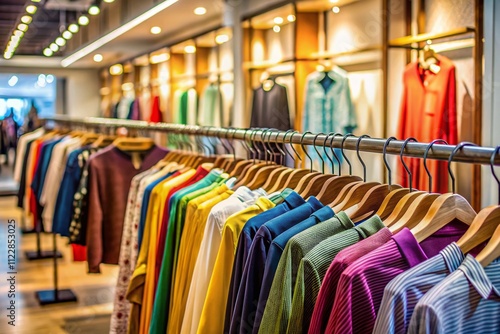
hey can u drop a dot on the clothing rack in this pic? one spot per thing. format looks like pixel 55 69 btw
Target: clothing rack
pixel 468 154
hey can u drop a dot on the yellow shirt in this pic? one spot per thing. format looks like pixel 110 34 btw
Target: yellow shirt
pixel 212 320
pixel 196 217
pixel 154 226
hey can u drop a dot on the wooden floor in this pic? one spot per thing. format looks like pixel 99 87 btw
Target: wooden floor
pixel 90 314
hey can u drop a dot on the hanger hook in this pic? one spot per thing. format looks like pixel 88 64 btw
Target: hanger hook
pixel 450 159
pixel 410 174
pixel 319 154
pixel 426 153
pixel 282 152
pixel 284 146
pixel 492 165
pixel 270 150
pixel 384 155
pixel 359 155
pixel 255 147
pixel 326 154
pixel 303 149
pixel 230 141
pixel 245 144
pixel 293 148
pixel 276 152
pixel 335 134
pixel 343 153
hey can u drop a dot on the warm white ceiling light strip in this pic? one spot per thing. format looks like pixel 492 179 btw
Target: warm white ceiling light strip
pixel 116 33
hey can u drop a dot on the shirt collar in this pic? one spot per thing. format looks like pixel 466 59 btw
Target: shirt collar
pixel 264 204
pixel 323 214
pixel 409 247
pixel 294 200
pixel 244 194
pixel 452 256
pixel 369 227
pixel 314 203
pixel 344 220
pixel 479 277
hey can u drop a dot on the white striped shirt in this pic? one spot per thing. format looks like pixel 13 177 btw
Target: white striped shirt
pixel 402 294
pixel 467 301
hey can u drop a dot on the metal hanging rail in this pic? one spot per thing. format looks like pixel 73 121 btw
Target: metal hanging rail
pixel 468 154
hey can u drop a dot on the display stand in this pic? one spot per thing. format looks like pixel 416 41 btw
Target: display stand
pixel 55 295
pixel 40 254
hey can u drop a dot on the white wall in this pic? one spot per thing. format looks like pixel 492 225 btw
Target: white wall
pixel 82 89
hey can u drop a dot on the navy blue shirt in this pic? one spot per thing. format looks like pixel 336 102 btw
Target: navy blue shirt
pixel 247 234
pixel 249 288
pixel 42 166
pixel 274 256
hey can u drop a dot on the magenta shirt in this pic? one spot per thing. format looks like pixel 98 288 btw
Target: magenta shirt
pixel 344 258
pixel 361 286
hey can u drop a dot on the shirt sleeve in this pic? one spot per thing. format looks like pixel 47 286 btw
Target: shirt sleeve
pixel 94 221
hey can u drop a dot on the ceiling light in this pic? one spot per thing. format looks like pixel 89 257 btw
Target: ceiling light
pixel 334 1
pixel 159 58
pixel 73 28
pixel 116 69
pixel 60 41
pixel 276 28
pixel 18 33
pixel 67 34
pixel 83 20
pixel 278 20
pixel 7 55
pixel 13 80
pixel 190 49
pixel 221 39
pixel 26 19
pixel 15 39
pixel 23 27
pixel 98 58
pixel 155 30
pixel 50 78
pixel 47 52
pixel 109 1
pixel 103 40
pixel 31 9
pixel 94 10
pixel 336 10
pixel 54 47
pixel 200 10
pixel 36 0
pixel 290 18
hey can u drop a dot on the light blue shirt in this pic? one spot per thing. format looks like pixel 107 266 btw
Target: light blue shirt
pixel 402 294
pixel 467 301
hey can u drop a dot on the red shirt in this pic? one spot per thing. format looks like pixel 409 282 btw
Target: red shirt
pixel 428 112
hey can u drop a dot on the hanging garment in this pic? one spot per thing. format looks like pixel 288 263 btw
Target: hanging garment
pixel 210 111
pixel 270 108
pixel 22 149
pixel 156 115
pixel 186 107
pixel 428 112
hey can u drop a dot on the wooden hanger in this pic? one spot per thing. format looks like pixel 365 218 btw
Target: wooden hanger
pixel 104 140
pixel 133 144
pixel 491 251
pixel 261 176
pixel 446 208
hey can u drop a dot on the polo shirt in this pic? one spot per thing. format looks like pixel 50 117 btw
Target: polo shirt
pixel 344 258
pixel 279 304
pixel 402 294
pixel 361 286
pixel 248 292
pixel 218 289
pixel 274 255
pixel 313 268
pixel 467 301
pixel 292 201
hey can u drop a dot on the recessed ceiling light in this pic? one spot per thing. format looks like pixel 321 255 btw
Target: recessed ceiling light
pixel 109 1
pixel 13 80
pixel 159 58
pixel 18 33
pixel 190 49
pixel 73 28
pixel 334 1
pixel 47 52
pixel 26 19
pixel 94 10
pixel 14 38
pixel 23 27
pixel 276 28
pixel 36 0
pixel 278 20
pixel 7 55
pixel 60 41
pixel 83 20
pixel 155 30
pixel 116 69
pixel 290 18
pixel 200 10
pixel 221 39
pixel 98 58
pixel 54 47
pixel 50 78
pixel 67 34
pixel 31 9
pixel 336 10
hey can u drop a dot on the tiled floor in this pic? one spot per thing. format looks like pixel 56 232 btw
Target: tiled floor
pixel 90 314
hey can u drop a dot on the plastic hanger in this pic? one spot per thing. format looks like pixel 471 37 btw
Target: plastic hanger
pixel 446 208
pixel 358 190
pixel 404 207
pixel 486 221
pixel 373 199
pixel 392 199
pixel 304 181
pixel 333 186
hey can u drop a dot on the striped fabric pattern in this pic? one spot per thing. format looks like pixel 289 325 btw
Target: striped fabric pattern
pixel 279 304
pixel 402 294
pixel 324 303
pixel 467 301
pixel 313 268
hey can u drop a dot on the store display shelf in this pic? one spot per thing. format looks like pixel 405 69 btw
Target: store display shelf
pixel 264 64
pixel 406 41
pixel 326 55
